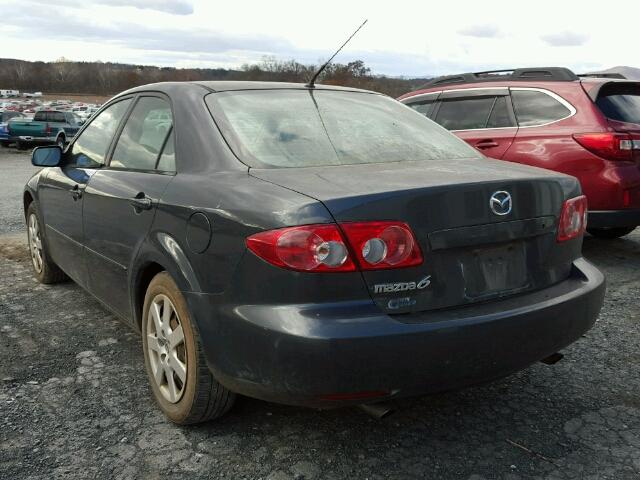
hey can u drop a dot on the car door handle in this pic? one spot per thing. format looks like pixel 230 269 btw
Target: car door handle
pixel 141 202
pixel 486 144
pixel 76 192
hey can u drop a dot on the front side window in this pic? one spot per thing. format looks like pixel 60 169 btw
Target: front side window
pixel 537 108
pixel 465 113
pixel 90 149
pixel 425 107
pixel 304 128
pixel 144 135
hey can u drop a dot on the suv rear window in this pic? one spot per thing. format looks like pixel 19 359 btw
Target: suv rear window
pixel 620 102
pixel 533 107
pixel 49 117
pixel 303 128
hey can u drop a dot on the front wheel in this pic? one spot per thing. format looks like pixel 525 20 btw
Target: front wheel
pixel 45 270
pixel 181 382
pixel 610 233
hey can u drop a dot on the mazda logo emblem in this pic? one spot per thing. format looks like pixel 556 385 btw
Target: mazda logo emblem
pixel 501 203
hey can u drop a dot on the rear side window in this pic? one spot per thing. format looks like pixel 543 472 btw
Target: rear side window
pixel 167 161
pixel 90 148
pixel 144 135
pixel 533 108
pixel 620 102
pixel 40 117
pixel 500 116
pixel 472 113
pixel 56 117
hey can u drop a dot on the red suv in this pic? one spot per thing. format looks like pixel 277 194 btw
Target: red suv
pixel 551 118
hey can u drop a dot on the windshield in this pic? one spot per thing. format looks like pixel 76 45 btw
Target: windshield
pixel 304 128
pixel 621 103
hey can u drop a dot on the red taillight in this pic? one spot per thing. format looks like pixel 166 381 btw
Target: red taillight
pixel 381 245
pixel 573 218
pixel 323 248
pixel 310 248
pixel 47 129
pixel 611 146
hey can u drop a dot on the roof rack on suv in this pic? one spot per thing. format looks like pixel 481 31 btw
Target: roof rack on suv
pixel 556 74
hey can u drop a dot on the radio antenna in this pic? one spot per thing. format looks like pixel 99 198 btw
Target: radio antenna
pixel 312 82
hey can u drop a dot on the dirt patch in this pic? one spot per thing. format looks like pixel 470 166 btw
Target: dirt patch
pixel 14 247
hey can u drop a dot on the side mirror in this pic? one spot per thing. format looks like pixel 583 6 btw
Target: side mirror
pixel 48 156
pixel 81 122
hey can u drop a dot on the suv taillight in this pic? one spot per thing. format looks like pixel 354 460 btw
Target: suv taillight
pixel 47 129
pixel 609 145
pixel 573 218
pixel 325 248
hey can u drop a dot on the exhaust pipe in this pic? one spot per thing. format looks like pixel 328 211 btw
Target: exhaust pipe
pixel 377 410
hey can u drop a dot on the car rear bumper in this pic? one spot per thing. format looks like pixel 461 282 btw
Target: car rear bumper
pixel 613 218
pixel 329 355
pixel 33 140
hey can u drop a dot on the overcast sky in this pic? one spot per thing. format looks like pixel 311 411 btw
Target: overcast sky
pixel 411 38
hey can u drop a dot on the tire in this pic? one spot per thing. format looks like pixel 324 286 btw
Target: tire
pixel 610 233
pixel 44 269
pixel 199 397
pixel 4 143
pixel 21 146
pixel 60 141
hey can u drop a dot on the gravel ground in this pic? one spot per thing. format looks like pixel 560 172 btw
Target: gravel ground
pixel 75 403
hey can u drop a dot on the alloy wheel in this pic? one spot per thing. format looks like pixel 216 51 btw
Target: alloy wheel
pixel 166 348
pixel 35 243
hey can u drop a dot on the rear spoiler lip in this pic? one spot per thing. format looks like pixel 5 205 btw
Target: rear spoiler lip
pixel 595 90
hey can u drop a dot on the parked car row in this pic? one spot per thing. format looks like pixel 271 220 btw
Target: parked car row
pixel 32 122
pixel 587 127
pixel 315 245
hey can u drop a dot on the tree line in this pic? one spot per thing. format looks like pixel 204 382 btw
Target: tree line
pixel 105 78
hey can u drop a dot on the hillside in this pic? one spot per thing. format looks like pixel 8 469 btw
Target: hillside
pixel 99 78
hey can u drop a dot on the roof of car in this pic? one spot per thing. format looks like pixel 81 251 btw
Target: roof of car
pixel 227 85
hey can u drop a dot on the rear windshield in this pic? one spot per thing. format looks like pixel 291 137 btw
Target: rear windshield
pixel 620 102
pixel 304 128
pixel 49 117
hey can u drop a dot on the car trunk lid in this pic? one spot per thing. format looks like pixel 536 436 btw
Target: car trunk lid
pixel 471 253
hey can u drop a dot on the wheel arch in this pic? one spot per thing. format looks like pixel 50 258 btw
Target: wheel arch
pixel 144 276
pixel 27 199
pixel 162 254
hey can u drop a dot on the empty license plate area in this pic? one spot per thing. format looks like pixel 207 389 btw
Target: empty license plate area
pixel 492 271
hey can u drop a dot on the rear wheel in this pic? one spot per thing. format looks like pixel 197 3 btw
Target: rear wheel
pixel 46 271
pixel 181 382
pixel 610 233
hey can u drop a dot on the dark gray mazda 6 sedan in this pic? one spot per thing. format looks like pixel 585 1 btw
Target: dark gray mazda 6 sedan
pixel 312 246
